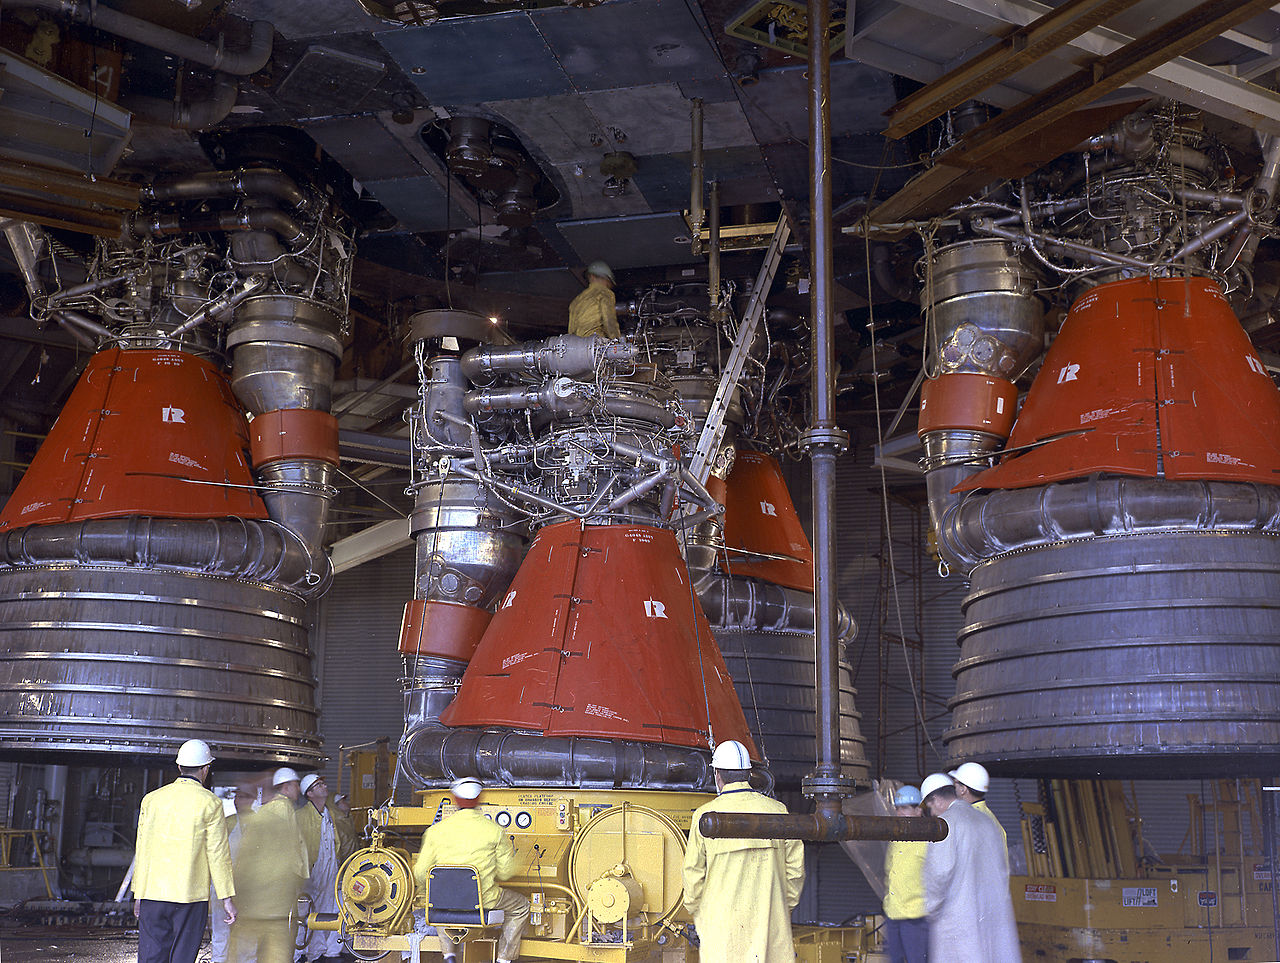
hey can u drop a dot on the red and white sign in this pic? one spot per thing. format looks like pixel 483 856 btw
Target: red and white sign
pixel 1040 893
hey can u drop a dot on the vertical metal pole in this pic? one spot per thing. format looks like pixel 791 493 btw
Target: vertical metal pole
pixel 824 440
pixel 696 209
pixel 713 258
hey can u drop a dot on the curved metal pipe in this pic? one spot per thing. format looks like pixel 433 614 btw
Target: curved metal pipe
pixel 254 219
pixel 565 354
pixel 986 524
pixel 221 305
pixel 437 755
pixel 1259 197
pixel 233 547
pixel 759 606
pixel 240 62
pixel 186 114
pixel 245 182
pixel 561 397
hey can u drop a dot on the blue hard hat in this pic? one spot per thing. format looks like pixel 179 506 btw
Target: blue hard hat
pixel 907 796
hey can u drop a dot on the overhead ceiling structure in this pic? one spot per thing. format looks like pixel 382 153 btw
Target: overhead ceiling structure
pixel 378 89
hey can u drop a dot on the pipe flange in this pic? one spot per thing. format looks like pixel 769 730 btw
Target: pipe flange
pixel 825 784
pixel 825 436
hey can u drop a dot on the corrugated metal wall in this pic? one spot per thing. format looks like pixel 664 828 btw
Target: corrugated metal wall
pixel 356 637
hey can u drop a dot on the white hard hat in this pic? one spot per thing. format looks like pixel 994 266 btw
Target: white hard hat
pixel 282 775
pixel 972 775
pixel 309 780
pixel 933 782
pixel 193 753
pixel 466 788
pixel 600 270
pixel 730 754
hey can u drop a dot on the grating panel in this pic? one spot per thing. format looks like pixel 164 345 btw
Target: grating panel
pixel 296 21
pixel 473 60
pixel 326 81
pixel 601 48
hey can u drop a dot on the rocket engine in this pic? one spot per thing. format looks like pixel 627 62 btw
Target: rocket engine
pixel 158 555
pixel 1122 543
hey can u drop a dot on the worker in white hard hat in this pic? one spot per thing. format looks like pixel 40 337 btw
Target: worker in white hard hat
pixel 972 782
pixel 271 869
pixel 467 837
pixel 330 837
pixel 741 891
pixel 966 883
pixel 906 927
pixel 181 851
pixel 595 310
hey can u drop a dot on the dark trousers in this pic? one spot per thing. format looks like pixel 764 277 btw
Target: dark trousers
pixel 171 932
pixel 907 941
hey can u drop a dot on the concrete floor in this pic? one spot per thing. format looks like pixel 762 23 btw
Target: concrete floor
pixel 49 945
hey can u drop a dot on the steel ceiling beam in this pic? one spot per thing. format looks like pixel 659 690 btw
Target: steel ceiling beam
pixel 954 174
pixel 1009 55
pixel 1231 97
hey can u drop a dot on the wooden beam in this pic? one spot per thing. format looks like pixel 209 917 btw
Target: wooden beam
pixel 963 168
pixel 1013 52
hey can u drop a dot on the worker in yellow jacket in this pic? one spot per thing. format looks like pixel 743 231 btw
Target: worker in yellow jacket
pixel 270 868
pixel 182 850
pixel 330 835
pixel 906 927
pixel 741 891
pixel 594 311
pixel 467 837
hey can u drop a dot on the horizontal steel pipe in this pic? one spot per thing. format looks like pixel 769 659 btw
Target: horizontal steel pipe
pixel 986 524
pixel 820 827
pixel 436 756
pixel 245 182
pixel 259 551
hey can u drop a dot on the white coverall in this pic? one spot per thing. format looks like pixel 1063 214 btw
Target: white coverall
pixel 320 887
pixel 219 928
pixel 966 884
pixel 741 891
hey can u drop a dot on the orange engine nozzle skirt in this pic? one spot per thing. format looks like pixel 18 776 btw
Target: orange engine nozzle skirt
pixel 600 635
pixel 1149 377
pixel 144 432
pixel 762 531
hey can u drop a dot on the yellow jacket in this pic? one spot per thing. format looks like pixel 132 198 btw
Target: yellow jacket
pixel 594 311
pixel 182 845
pixel 741 891
pixel 981 806
pixel 904 880
pixel 271 864
pixel 344 832
pixel 467 837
